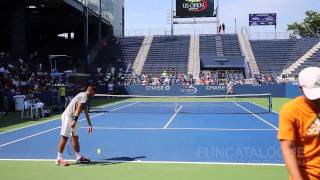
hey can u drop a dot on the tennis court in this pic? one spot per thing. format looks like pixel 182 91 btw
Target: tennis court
pixel 196 130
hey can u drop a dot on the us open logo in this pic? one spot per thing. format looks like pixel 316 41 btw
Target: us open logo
pixel 195 5
pixel 189 90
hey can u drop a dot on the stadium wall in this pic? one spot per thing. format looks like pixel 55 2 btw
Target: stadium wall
pixel 276 90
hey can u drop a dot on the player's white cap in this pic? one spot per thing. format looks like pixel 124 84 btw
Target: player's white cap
pixel 309 80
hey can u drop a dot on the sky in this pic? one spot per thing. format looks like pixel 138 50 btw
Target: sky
pixel 142 15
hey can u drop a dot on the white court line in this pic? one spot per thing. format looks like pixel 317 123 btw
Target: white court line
pixel 110 104
pixel 123 106
pixel 262 107
pixel 37 134
pixel 167 129
pixel 260 118
pixel 42 132
pixel 160 162
pixel 51 120
pixel 27 137
pixel 171 119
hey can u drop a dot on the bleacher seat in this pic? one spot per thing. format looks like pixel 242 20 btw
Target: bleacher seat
pixel 311 62
pixel 130 47
pixel 272 56
pixel 167 52
pixel 230 42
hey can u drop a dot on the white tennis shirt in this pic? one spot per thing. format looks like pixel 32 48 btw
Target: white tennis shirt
pixel 80 98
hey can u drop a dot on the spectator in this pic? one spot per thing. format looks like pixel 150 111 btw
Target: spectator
pixel 113 69
pixel 110 87
pixel 40 66
pixel 1 98
pixel 99 70
pixel 62 94
pixel 219 29
pixel 2 70
pixel 223 28
pixel 173 72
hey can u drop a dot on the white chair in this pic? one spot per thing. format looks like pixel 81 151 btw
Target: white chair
pixel 38 107
pixel 28 109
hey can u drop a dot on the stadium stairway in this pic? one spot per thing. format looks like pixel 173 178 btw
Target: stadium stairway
pixel 219 45
pixel 247 51
pixel 194 56
pixel 142 55
pixel 311 55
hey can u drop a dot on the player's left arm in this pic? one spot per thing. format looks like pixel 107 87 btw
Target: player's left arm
pixel 86 112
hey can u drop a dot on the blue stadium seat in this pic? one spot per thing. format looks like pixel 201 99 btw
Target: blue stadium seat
pixel 167 52
pixel 311 62
pixel 272 56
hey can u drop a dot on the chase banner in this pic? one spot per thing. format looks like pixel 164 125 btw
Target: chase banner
pixel 277 90
pixel 263 19
pixel 194 8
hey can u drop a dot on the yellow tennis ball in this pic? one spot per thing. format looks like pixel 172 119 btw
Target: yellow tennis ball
pixel 98 151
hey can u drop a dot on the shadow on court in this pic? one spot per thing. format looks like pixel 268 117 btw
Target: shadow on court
pixel 112 161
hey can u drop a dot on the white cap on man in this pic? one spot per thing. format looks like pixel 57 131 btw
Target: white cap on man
pixel 309 81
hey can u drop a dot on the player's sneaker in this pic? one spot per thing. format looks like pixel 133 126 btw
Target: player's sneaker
pixel 61 162
pixel 83 160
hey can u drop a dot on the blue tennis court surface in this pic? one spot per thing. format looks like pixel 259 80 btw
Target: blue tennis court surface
pixel 192 133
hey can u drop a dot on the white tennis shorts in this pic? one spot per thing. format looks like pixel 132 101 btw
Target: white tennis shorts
pixel 66 126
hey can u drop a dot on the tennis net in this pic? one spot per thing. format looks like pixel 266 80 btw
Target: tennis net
pixel 215 104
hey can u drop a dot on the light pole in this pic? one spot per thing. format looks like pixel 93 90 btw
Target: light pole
pixel 172 14
pixel 86 36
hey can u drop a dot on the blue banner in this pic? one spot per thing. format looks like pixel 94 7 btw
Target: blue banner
pixel 263 19
pixel 276 90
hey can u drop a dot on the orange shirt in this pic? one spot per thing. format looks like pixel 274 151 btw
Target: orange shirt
pixel 299 122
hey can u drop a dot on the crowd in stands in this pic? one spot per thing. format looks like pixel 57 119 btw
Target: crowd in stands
pixel 119 77
pixel 24 76
pixel 164 79
pixel 32 75
pixel 20 76
pixel 266 78
pixel 212 78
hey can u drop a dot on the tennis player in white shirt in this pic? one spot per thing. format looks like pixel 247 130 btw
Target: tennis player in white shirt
pixel 70 125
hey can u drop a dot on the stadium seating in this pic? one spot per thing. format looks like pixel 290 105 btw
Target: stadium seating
pixel 122 48
pixel 130 47
pixel 313 61
pixel 167 52
pixel 207 45
pixel 230 44
pixel 272 56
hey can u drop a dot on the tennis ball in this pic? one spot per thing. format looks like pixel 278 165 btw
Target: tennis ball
pixel 98 151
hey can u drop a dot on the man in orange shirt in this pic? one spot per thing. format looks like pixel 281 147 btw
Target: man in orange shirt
pixel 299 129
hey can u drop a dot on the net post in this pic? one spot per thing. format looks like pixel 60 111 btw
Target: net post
pixel 176 105
pixel 270 102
